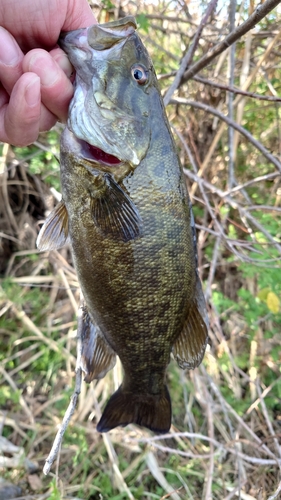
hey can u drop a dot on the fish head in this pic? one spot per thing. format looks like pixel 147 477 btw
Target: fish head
pixel 111 106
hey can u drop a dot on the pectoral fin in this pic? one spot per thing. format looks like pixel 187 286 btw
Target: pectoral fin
pixel 190 346
pixel 97 357
pixel 115 214
pixel 54 232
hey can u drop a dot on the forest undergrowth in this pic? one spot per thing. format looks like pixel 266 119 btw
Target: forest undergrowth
pixel 225 440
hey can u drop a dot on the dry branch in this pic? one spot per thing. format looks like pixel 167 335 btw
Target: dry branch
pixel 73 402
pixel 233 124
pixel 236 90
pixel 261 11
pixel 187 58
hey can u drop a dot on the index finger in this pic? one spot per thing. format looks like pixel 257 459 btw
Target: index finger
pixel 11 58
pixel 79 16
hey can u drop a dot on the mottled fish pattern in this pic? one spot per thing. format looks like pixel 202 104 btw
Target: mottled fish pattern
pixel 126 212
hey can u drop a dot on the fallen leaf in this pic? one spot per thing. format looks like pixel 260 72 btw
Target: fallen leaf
pixel 35 482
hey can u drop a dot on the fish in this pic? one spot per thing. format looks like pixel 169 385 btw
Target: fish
pixel 126 213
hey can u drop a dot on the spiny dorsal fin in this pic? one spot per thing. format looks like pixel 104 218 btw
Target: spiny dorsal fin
pixel 115 214
pixel 190 346
pixel 54 232
pixel 97 357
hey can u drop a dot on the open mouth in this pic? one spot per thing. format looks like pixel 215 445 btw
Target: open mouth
pixel 97 155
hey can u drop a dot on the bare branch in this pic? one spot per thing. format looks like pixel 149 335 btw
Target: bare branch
pixel 236 206
pixel 187 58
pixel 169 18
pixel 233 451
pixel 231 178
pixel 235 90
pixel 233 124
pixel 73 402
pixel 238 98
pixel 260 12
pixel 267 419
pixel 276 493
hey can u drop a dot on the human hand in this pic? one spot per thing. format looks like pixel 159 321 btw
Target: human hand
pixel 35 88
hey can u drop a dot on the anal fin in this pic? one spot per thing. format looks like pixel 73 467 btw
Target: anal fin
pixel 190 346
pixel 97 357
pixel 115 214
pixel 54 232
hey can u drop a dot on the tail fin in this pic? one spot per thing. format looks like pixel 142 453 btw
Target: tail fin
pixel 147 410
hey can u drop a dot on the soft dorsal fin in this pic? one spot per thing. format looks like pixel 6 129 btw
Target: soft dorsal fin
pixel 97 357
pixel 190 346
pixel 54 232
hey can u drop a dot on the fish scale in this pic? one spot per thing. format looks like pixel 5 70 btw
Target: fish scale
pixel 127 215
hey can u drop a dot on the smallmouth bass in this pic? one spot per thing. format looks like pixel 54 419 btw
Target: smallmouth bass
pixel 126 212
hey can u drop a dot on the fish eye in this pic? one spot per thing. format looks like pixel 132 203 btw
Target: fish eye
pixel 139 73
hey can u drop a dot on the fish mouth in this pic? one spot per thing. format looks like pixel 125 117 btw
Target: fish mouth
pixel 97 120
pixel 87 152
pixel 97 155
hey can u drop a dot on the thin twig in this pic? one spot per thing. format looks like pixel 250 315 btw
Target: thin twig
pixel 231 123
pixel 243 78
pixel 246 85
pixel 187 58
pixel 68 290
pixel 233 451
pixel 21 398
pixel 210 473
pixel 205 197
pixel 268 421
pixel 260 178
pixel 276 493
pixel 28 323
pixel 232 11
pixel 260 12
pixel 243 424
pixel 235 90
pixel 74 398
pixel 169 18
pixel 236 206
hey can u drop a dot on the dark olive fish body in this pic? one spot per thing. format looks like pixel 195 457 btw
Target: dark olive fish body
pixel 127 213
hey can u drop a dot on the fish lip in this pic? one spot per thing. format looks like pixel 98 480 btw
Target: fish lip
pixel 73 39
pixel 99 37
pixel 105 36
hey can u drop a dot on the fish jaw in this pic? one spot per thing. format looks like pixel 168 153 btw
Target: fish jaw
pixel 109 112
pixel 97 36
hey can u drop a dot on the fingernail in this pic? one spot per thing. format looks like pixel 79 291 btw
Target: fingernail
pixel 64 63
pixel 9 51
pixel 32 92
pixel 47 69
